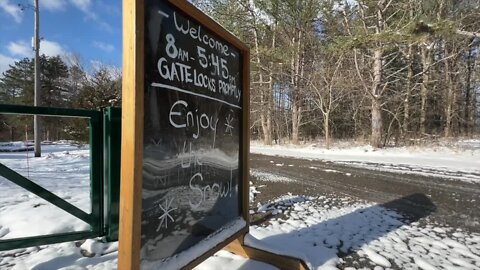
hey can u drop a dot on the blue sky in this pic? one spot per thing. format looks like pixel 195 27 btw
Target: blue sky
pixel 88 29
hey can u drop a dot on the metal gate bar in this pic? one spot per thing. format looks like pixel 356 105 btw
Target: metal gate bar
pixel 43 193
pixel 95 219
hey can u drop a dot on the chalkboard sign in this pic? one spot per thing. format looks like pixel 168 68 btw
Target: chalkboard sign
pixel 194 135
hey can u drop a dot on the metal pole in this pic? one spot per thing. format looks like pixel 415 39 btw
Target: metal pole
pixel 37 125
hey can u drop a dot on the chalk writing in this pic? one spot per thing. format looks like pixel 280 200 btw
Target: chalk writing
pixel 190 157
pixel 167 209
pixel 181 117
pixel 196 33
pixel 208 192
pixel 169 87
pixel 192 130
pixel 228 124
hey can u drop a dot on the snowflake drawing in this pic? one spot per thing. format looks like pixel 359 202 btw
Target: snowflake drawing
pixel 228 124
pixel 167 209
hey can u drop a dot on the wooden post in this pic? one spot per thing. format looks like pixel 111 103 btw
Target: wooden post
pixel 132 135
pixel 246 138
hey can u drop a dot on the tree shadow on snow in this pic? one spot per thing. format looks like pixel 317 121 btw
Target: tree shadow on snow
pixel 318 242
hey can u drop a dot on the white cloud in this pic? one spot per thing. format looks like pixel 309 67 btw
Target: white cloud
pixel 103 46
pixel 101 23
pixel 52 5
pixel 83 5
pixel 5 61
pixel 47 47
pixel 112 9
pixel 51 48
pixel 96 65
pixel 113 71
pixel 86 7
pixel 12 9
pixel 20 48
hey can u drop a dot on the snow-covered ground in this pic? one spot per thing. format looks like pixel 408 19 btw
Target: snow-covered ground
pixel 327 232
pixel 64 170
pixel 368 236
pixel 458 161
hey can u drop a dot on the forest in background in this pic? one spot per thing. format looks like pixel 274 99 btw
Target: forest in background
pixel 64 85
pixel 387 71
pixel 393 72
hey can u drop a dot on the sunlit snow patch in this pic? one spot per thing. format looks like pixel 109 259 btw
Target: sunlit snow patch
pixel 269 177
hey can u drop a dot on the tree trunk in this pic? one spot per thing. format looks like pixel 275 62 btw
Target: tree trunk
pixel 326 127
pixel 297 62
pixel 376 91
pixel 377 123
pixel 450 99
pixel 266 130
pixel 410 83
pixel 376 137
pixel 269 95
pixel 12 133
pixel 263 120
pixel 296 118
pixel 469 113
pixel 474 111
pixel 426 62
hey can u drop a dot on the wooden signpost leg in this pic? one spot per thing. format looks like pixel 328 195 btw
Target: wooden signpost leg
pixel 132 139
pixel 280 261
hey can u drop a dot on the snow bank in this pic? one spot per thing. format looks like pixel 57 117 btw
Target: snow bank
pixel 461 163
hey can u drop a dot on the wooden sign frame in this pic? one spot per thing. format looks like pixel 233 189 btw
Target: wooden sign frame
pixel 133 124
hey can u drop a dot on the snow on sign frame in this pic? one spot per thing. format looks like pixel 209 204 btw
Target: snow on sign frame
pixel 184 187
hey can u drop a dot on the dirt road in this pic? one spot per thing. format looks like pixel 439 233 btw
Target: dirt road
pixel 449 201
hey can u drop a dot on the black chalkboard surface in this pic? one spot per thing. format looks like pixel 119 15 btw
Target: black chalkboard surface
pixel 192 133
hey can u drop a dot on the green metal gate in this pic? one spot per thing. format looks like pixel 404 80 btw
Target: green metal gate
pixel 112 119
pixel 104 142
